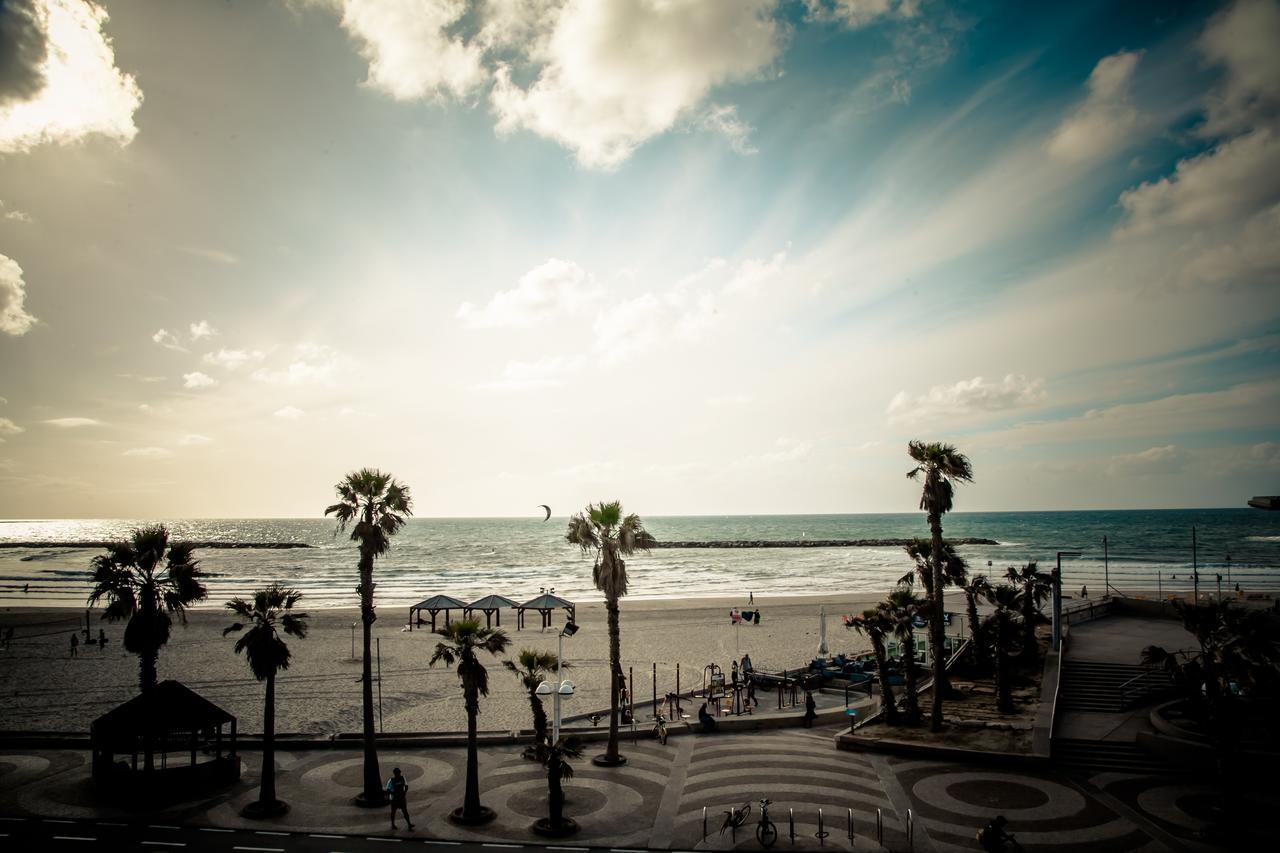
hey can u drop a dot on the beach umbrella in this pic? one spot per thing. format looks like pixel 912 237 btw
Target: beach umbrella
pixel 822 629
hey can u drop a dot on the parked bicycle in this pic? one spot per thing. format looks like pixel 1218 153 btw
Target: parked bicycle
pixel 734 818
pixel 766 832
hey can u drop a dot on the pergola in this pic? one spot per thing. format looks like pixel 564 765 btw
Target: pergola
pixel 432 606
pixel 169 717
pixel 544 604
pixel 490 606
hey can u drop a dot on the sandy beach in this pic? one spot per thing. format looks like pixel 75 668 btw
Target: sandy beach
pixel 48 690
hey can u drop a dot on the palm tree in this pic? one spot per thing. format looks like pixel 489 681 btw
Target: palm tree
pixel 974 588
pixel 941 466
pixel 875 624
pixel 463 638
pixel 603 529
pixel 902 606
pixel 1036 587
pixel 554 758
pixel 267 654
pixel 375 506
pixel 1005 642
pixel 531 668
pixel 138 588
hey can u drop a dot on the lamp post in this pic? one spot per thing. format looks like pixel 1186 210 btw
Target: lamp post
pixel 1057 598
pixel 558 688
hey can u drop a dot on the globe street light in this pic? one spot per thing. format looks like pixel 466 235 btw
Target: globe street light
pixel 558 688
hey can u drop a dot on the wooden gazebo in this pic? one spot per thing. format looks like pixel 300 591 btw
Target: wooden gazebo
pixel 544 604
pixel 491 606
pixel 168 718
pixel 432 606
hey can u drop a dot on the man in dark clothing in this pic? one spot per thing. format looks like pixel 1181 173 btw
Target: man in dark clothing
pixel 398 788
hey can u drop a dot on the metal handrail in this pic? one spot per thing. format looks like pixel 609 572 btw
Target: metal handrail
pixel 1124 688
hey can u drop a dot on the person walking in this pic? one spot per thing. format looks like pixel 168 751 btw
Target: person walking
pixel 75 644
pixel 398 788
pixel 810 709
pixel 751 598
pixel 1084 592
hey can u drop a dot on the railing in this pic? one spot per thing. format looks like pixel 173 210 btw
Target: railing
pixel 1133 685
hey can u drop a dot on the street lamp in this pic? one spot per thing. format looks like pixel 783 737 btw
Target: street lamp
pixel 1057 598
pixel 558 688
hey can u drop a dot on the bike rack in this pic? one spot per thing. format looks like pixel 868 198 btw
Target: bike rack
pixel 850 824
pixel 791 824
pixel 879 826
pixel 911 825
pixel 704 823
pixel 821 834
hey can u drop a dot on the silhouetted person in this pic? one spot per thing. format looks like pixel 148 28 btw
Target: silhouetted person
pixel 810 709
pixel 75 644
pixel 102 639
pixel 706 720
pixel 1084 592
pixel 398 788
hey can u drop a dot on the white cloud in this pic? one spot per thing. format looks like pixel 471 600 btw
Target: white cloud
pixel 785 450
pixel 196 379
pixel 215 255
pixel 72 423
pixel 315 364
pixel 966 397
pixel 410 52
pixel 552 288
pixel 8 427
pixel 232 359
pixel 754 272
pixel 614 75
pixel 194 439
pixel 724 119
pixel 289 413
pixel 546 372
pixel 859 13
pixel 12 213
pixel 1167 459
pixel 168 340
pixel 201 330
pixel 1103 125
pixel 1242 39
pixel 14 319
pixel 148 452
pixel 83 91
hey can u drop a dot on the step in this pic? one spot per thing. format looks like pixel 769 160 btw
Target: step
pixel 1117 756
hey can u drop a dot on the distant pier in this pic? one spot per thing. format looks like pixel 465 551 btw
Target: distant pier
pixel 810 543
pixel 104 544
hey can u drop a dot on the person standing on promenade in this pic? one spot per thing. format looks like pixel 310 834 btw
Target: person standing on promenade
pixel 810 709
pixel 102 639
pixel 398 788
pixel 75 644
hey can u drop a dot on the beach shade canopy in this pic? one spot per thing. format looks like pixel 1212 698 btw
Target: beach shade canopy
pixel 545 604
pixel 432 606
pixel 490 606
pixel 169 717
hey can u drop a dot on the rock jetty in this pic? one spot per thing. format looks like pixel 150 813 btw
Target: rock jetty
pixel 82 545
pixel 811 543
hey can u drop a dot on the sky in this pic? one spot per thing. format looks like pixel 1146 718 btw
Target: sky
pixel 703 257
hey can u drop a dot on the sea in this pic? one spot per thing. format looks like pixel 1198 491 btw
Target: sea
pixel 1145 551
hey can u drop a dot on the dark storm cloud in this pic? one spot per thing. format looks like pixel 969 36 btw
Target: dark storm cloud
pixel 22 50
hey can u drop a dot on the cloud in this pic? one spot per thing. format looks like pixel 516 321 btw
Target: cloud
pixel 23 49
pixel 613 75
pixel 1103 125
pixel 82 91
pixel 1167 459
pixel 11 214
pixel 201 330
pixel 72 423
pixel 409 48
pixel 215 255
pixel 14 319
pixel 1242 40
pixel 546 372
pixel 146 379
pixel 232 359
pixel 860 13
pixel 148 452
pixel 316 364
pixel 786 450
pixel 194 439
pixel 289 413
pixel 968 396
pixel 8 427
pixel 196 379
pixel 552 288
pixel 168 340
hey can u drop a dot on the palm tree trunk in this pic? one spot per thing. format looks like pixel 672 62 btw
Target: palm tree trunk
pixel 471 799
pixel 615 668
pixel 1004 692
pixel 936 628
pixel 909 664
pixel 372 794
pixel 539 718
pixel 267 794
pixel 555 799
pixel 887 701
pixel 147 669
pixel 971 602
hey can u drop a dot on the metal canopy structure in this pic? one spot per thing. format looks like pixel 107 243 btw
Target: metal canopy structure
pixel 432 606
pixel 491 606
pixel 545 604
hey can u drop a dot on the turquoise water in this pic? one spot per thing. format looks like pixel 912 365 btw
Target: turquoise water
pixel 473 557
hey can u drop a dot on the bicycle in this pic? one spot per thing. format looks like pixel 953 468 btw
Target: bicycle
pixel 766 832
pixel 734 818
pixel 660 730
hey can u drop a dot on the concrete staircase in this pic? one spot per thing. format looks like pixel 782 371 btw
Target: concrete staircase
pixel 1108 687
pixel 1098 756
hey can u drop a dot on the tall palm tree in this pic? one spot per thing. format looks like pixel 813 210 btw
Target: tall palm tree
pixel 554 758
pixel 463 638
pixel 875 624
pixel 267 653
pixel 601 529
pixel 375 506
pixel 902 606
pixel 531 668
pixel 1036 588
pixel 974 588
pixel 1005 642
pixel 941 466
pixel 144 580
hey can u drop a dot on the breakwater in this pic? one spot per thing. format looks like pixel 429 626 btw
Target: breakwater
pixel 811 543
pixel 82 545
